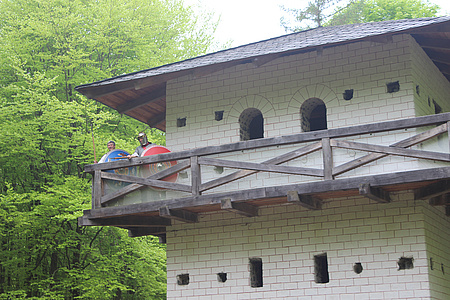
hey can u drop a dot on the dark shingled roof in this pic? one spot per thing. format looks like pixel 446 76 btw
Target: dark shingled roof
pixel 433 34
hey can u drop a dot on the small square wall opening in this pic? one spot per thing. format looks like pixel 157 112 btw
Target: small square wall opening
pixel 221 277
pixel 405 263
pixel 181 122
pixel 183 279
pixel 393 87
pixel 256 271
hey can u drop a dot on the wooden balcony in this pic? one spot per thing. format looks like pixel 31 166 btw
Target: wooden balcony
pixel 426 172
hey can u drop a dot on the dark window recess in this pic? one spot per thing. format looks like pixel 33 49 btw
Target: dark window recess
pixel 313 113
pixel 321 269
pixel 183 279
pixel 181 122
pixel 318 118
pixel 218 115
pixel 251 123
pixel 256 272
pixel 405 263
pixel 222 277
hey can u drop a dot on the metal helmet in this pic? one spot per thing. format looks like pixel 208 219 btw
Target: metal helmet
pixel 144 140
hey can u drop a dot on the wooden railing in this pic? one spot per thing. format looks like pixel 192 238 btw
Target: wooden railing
pixel 309 142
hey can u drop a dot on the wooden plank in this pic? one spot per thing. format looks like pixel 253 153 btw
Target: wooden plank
pixel 260 167
pixel 96 190
pixel 196 176
pixel 411 141
pixel 308 201
pixel 373 193
pixel 327 156
pixel 393 150
pixel 315 187
pixel 440 200
pixel 180 215
pixel 148 182
pixel 240 208
pixel 134 186
pixel 281 140
pixel 144 231
pixel 432 190
pixel 277 160
pixel 142 100
pixel 135 221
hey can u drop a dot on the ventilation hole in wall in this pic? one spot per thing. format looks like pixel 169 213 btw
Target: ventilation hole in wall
pixel 393 87
pixel 218 170
pixel 256 272
pixel 321 268
pixel 417 90
pixel 218 115
pixel 348 94
pixel 405 263
pixel 358 268
pixel 183 279
pixel 437 108
pixel 222 277
pixel 181 122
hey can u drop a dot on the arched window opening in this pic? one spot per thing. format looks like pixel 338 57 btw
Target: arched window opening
pixel 251 123
pixel 313 115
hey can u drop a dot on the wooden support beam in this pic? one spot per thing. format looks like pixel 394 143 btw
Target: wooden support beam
pixel 155 120
pixel 307 201
pixel 125 221
pixel 432 190
pixel 180 215
pixel 440 200
pixel 241 208
pixel 97 190
pixel 327 159
pixel 196 178
pixel 143 100
pixel 373 193
pixel 143 231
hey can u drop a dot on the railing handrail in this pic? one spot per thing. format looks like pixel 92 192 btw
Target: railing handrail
pixel 276 141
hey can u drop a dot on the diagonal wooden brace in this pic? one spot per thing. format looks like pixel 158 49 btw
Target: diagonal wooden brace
pixel 180 215
pixel 241 208
pixel 373 193
pixel 307 201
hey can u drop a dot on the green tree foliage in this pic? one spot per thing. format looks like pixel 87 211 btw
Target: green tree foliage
pixel 365 11
pixel 313 15
pixel 47 133
pixel 329 13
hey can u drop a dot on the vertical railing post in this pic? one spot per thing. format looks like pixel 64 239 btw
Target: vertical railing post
pixel 327 159
pixel 196 176
pixel 97 189
pixel 448 134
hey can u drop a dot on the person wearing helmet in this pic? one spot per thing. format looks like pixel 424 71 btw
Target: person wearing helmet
pixel 144 144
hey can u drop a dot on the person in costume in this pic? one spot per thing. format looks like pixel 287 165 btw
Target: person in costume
pixel 111 145
pixel 144 144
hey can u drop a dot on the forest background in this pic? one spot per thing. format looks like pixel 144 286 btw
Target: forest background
pixel 47 131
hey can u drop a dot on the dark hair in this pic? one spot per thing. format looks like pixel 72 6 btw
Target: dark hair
pixel 114 143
